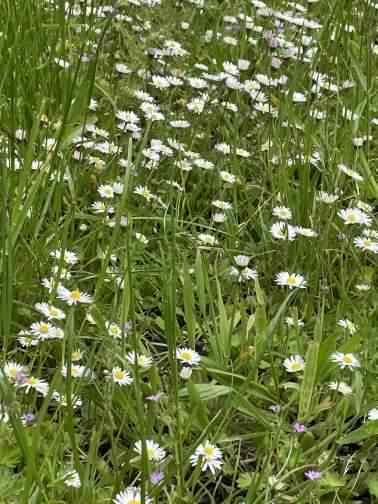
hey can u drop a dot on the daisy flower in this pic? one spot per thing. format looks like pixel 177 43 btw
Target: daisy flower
pixel 345 360
pixel 106 191
pixel 40 386
pixel 72 479
pixel 341 387
pixel 366 244
pixel 154 452
pixel 243 275
pixel 291 280
pixel 131 495
pixel 186 372
pixel 347 324
pixel 73 297
pixel 283 231
pixel 351 173
pixel 50 311
pixel 282 213
pixel 45 330
pixel 242 260
pixel 207 239
pixel 373 414
pixel 292 322
pixel 69 257
pixel 227 177
pixel 143 361
pixel 62 399
pixel 14 371
pixel 327 198
pixel 209 456
pixel 77 371
pixel 121 377
pixel 113 329
pixel 188 356
pixel 354 216
pixel 294 363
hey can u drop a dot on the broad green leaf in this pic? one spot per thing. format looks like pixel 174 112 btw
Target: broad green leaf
pixel 206 391
pixel 309 380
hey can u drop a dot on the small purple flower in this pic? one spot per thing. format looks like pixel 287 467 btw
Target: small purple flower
pixel 28 419
pixel 313 475
pixel 156 477
pixel 298 427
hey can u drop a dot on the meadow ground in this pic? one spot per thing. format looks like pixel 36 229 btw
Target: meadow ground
pixel 188 251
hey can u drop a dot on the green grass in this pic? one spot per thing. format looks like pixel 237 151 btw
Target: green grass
pixel 281 108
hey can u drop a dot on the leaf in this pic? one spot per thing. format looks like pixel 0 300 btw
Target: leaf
pixel 352 345
pixel 372 483
pixel 200 284
pixel 366 431
pixel 332 480
pixel 260 415
pixel 206 391
pixel 245 480
pixel 189 305
pixel 309 380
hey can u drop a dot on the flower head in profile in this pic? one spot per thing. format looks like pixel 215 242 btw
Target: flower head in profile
pixel 154 452
pixel 72 479
pixel 143 361
pixel 283 213
pixel 291 280
pixel 341 387
pixel 345 360
pixel 283 231
pixel 131 495
pixel 33 383
pixel 73 297
pixel 294 363
pixel 209 456
pixel 347 324
pixel 50 311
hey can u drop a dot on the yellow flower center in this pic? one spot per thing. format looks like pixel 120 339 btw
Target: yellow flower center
pixel 347 359
pixel 296 366
pixel 12 372
pixel 291 280
pixel 134 501
pixel 53 312
pixel 119 374
pixel 44 328
pixel 75 295
pixel 186 355
pixel 31 380
pixel 209 451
